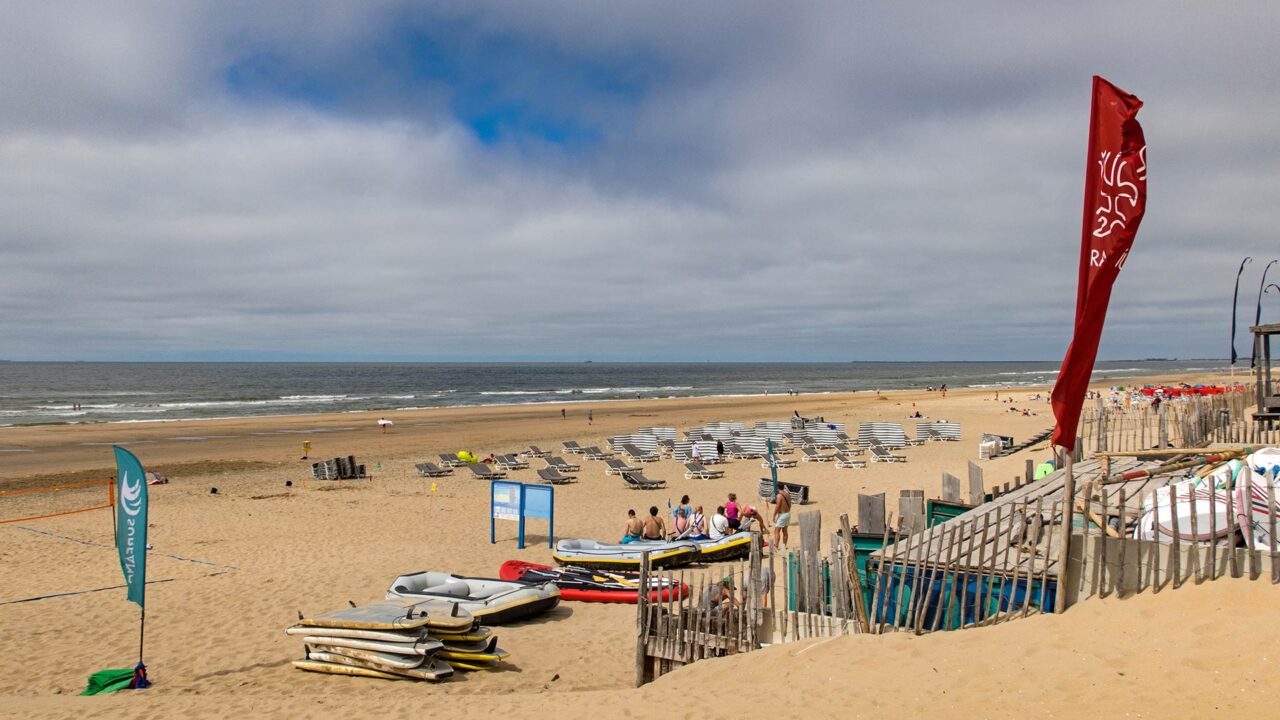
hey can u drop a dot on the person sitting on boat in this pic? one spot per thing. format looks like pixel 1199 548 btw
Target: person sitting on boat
pixel 680 517
pixel 697 529
pixel 732 512
pixel 719 527
pixel 633 530
pixel 654 528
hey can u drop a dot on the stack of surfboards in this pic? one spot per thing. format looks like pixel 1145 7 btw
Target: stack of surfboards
pixel 396 640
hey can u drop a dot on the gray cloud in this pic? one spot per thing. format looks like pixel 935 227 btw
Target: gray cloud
pixel 824 182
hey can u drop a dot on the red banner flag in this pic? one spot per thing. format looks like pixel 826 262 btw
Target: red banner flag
pixel 1115 197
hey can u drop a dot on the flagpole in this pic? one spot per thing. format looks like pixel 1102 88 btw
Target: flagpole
pixel 1257 315
pixel 1235 300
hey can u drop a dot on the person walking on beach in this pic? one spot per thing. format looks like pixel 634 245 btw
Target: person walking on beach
pixel 781 518
pixel 562 415
pixel 695 454
pixel 590 418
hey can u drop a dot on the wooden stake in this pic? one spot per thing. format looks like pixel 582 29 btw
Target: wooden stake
pixel 1064 547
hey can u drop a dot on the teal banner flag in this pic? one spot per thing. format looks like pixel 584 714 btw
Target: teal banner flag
pixel 131 523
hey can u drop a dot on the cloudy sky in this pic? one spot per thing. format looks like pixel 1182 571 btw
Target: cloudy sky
pixel 628 181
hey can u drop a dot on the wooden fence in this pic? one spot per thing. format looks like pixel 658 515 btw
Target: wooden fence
pixel 951 564
pixel 744 606
pixel 1184 422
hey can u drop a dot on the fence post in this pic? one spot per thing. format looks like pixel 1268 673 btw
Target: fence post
pixel 1064 548
pixel 642 619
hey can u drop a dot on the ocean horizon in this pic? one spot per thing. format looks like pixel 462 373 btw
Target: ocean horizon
pixel 56 392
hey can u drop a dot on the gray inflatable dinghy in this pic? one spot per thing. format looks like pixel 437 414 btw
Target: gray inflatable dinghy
pixel 491 601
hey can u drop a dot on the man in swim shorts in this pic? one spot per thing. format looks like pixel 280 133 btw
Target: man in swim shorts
pixel 635 527
pixel 654 528
pixel 781 518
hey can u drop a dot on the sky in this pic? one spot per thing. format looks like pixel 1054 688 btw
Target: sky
pixel 630 181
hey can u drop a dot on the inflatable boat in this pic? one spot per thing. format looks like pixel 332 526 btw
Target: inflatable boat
pixel 491 601
pixel 584 585
pixel 730 547
pixel 596 555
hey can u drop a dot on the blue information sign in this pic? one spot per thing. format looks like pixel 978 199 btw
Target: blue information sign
pixel 517 501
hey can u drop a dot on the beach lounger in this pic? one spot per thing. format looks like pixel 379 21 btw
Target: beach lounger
pixel 696 470
pixel 452 461
pixel 535 452
pixel 637 481
pixel 553 476
pixel 483 472
pixel 432 470
pixel 811 455
pixel 780 462
pixel 882 454
pixel 638 454
pixel 573 448
pixel 851 451
pixel 799 493
pixel 617 467
pixel 559 464
pixel 933 434
pixel 917 441
pixel 844 461
pixel 595 453
pixel 666 447
pixel 511 462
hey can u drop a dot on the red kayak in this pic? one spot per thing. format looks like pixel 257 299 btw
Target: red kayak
pixel 593 585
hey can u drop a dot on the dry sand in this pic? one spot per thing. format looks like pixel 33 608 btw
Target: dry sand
pixel 231 570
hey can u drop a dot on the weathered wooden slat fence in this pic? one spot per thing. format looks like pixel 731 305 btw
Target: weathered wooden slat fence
pixel 946 565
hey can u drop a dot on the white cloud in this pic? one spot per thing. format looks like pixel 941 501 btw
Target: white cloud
pixel 807 184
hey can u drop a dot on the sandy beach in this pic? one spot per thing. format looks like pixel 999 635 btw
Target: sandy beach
pixel 231 570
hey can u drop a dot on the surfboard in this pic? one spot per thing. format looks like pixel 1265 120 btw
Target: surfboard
pixel 476 634
pixel 485 652
pixel 462 665
pixel 335 669
pixel 396 614
pixel 432 669
pixel 375 658
pixel 406 636
pixel 419 648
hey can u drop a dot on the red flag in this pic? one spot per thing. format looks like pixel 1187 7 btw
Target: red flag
pixel 1115 197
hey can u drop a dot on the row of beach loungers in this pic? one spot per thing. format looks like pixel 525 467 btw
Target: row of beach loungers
pixel 644 448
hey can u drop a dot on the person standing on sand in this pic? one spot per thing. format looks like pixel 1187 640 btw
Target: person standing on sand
pixel 590 418
pixel 731 512
pixel 781 518
pixel 694 453
pixel 562 415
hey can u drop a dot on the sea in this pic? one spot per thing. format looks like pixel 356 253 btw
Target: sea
pixel 33 393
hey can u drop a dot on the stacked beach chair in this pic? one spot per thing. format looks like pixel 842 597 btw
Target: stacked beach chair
pixel 396 639
pixel 339 468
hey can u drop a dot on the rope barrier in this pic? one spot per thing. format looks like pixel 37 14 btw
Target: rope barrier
pixel 55 488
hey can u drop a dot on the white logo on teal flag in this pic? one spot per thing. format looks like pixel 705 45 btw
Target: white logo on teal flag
pixel 131 529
